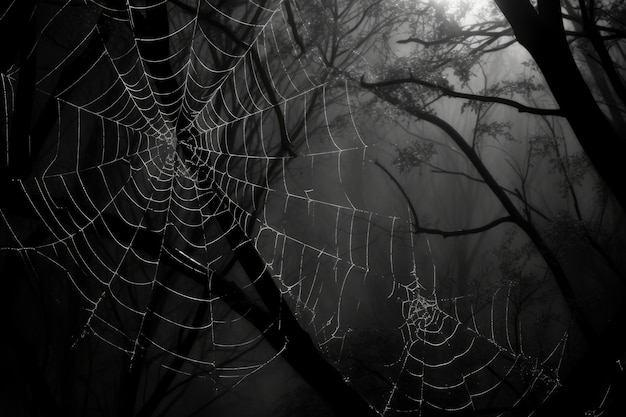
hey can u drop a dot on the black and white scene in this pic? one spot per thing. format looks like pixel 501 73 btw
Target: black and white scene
pixel 311 208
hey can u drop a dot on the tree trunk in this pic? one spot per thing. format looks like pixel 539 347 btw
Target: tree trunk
pixel 15 150
pixel 284 331
pixel 541 32
pixel 28 136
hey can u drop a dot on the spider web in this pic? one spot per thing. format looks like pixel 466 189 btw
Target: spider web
pixel 182 168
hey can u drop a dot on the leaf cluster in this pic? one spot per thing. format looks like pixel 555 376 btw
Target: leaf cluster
pixel 414 155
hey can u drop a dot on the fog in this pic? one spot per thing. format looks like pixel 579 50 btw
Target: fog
pixel 289 209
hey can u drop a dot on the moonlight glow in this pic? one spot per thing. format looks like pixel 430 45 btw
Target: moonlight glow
pixel 466 11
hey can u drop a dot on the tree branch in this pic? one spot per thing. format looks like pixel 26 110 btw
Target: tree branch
pixel 416 222
pixel 466 34
pixel 445 233
pixel 294 29
pixel 448 92
pixel 531 231
pixel 465 232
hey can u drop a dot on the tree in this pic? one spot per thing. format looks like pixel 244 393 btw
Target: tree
pixel 544 31
pixel 541 31
pixel 555 60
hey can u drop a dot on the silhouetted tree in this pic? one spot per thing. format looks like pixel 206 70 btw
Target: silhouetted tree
pixel 544 34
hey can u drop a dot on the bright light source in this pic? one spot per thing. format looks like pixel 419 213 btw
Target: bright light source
pixel 466 11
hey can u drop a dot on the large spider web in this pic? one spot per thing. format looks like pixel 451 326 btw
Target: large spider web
pixel 182 168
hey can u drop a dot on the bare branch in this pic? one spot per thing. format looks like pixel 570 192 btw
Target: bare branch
pixel 515 216
pixel 430 231
pixel 464 232
pixel 448 92
pixel 416 222
pixel 458 36
pixel 294 28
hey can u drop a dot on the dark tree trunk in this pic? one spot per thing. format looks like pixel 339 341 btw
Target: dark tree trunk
pixel 541 32
pixel 284 332
pixel 163 386
pixel 19 31
pixel 15 151
pixel 14 147
pixel 28 136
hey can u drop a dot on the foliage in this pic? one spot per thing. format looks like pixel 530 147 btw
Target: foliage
pixel 414 155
